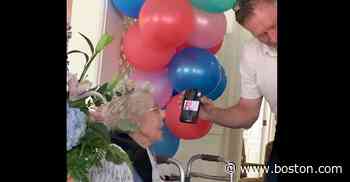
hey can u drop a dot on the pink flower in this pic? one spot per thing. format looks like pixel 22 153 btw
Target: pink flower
pixel 108 114
pixel 70 179
pixel 75 88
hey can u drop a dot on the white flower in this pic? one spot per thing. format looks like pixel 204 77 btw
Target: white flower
pixel 75 88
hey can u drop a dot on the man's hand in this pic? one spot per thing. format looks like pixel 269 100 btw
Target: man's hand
pixel 241 115
pixel 207 109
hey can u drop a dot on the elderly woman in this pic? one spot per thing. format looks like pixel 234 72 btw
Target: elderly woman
pixel 134 108
pixel 143 111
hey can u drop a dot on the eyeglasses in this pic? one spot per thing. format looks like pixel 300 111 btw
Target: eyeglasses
pixel 157 109
pixel 154 108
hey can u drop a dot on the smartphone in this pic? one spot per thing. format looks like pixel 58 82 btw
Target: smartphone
pixel 190 106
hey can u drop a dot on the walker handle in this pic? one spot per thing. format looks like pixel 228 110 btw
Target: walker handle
pixel 213 158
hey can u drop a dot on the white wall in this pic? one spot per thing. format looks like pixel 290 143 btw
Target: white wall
pixel 88 18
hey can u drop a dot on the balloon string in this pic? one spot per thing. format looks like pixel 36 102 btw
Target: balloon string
pixel 127 22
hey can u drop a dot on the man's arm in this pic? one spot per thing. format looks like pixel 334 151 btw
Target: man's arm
pixel 242 115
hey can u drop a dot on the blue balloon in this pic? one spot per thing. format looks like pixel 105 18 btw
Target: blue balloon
pixel 129 8
pixel 194 68
pixel 220 88
pixel 167 146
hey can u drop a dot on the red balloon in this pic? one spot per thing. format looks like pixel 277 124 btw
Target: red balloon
pixel 213 50
pixel 144 57
pixel 216 48
pixel 166 23
pixel 184 130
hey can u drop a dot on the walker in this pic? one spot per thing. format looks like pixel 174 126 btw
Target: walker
pixel 230 168
pixel 181 178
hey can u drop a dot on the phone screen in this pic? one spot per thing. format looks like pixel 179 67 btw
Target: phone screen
pixel 191 105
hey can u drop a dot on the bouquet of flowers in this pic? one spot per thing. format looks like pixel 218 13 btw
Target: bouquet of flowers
pixel 92 113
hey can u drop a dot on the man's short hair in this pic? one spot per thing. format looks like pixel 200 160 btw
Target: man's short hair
pixel 245 8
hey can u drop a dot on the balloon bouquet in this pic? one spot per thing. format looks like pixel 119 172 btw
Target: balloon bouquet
pixel 172 44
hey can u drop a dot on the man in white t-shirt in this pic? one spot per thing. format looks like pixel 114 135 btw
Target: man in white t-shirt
pixel 258 67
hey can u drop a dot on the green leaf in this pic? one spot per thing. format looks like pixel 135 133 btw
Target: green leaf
pixel 114 82
pixel 103 88
pixel 79 104
pixel 117 156
pixel 89 153
pixel 100 130
pixel 80 52
pixel 105 92
pixel 103 42
pixel 77 166
pixel 89 42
